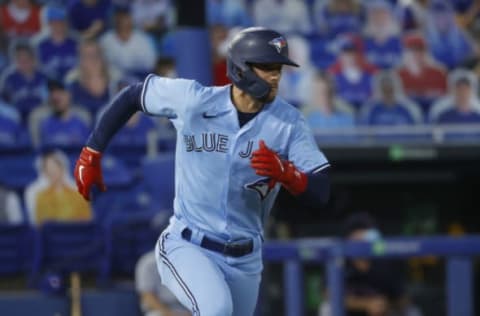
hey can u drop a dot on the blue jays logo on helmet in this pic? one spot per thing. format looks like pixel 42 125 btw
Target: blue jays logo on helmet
pixel 279 43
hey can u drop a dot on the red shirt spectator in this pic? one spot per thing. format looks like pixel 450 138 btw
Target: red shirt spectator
pixel 423 79
pixel 20 18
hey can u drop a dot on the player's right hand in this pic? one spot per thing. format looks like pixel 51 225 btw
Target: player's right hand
pixel 88 172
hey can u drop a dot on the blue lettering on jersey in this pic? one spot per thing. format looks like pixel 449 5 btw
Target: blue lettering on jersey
pixel 209 142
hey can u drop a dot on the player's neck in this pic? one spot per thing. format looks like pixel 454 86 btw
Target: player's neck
pixel 244 102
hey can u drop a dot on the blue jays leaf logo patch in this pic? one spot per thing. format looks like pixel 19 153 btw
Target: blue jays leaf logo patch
pixel 261 187
pixel 279 43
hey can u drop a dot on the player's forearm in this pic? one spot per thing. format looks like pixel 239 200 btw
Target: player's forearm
pixel 117 113
pixel 317 192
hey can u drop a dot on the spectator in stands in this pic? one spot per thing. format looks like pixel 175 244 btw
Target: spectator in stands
pixel 228 12
pixel 448 43
pixel 334 17
pixel 412 14
pixel 422 78
pixel 57 51
pixel 324 109
pixel 129 49
pixel 53 196
pixel 19 18
pixel 65 124
pixel 10 124
pixel 383 46
pixel 352 73
pixel 10 207
pixel 462 105
pixel 285 16
pixel 389 106
pixel 153 16
pixel 89 17
pixel 155 299
pixel 294 81
pixel 90 83
pixel 23 85
pixel 372 287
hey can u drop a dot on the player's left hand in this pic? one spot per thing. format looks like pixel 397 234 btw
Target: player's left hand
pixel 268 163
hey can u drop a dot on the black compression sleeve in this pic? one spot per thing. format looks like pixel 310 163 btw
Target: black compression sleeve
pixel 116 114
pixel 318 189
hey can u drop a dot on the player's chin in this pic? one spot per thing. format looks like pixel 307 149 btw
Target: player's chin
pixel 272 95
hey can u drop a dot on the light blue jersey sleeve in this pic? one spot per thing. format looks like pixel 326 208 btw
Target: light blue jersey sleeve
pixel 303 150
pixel 168 97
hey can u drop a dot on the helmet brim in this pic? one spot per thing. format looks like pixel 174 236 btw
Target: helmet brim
pixel 280 59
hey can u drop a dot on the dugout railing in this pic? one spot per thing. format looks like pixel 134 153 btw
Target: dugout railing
pixel 457 251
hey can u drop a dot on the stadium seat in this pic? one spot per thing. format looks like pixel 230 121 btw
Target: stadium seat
pixel 18 170
pixel 129 236
pixel 65 247
pixel 158 175
pixel 16 249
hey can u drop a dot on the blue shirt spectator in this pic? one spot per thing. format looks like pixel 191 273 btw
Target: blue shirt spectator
pixel 324 109
pixel 57 51
pixel 389 106
pixel 383 46
pixel 23 85
pixel 462 104
pixel 352 73
pixel 285 16
pixel 89 17
pixel 64 126
pixel 334 17
pixel 10 124
pixel 228 12
pixel 88 100
pixel 448 43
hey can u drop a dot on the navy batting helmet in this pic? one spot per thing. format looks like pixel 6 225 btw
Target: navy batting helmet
pixel 255 45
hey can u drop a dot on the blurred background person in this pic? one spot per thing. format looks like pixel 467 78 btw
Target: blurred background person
pixel 155 299
pixel 389 106
pixel 461 105
pixel 423 79
pixel 284 16
pixel 20 18
pixel 89 17
pixel 352 73
pixel 383 46
pixel 90 83
pixel 23 84
pixel 219 38
pixel 121 45
pixel 334 17
pixel 153 16
pixel 324 109
pixel 230 13
pixel 59 122
pixel 293 85
pixel 11 126
pixel 447 41
pixel 372 287
pixel 10 207
pixel 53 196
pixel 57 50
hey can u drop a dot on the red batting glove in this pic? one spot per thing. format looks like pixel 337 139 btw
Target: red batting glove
pixel 267 163
pixel 88 172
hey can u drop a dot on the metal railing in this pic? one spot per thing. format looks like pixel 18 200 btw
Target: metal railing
pixel 458 252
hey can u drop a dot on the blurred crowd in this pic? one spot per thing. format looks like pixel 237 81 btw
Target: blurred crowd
pixel 363 62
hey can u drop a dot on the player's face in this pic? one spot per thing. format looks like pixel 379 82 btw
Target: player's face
pixel 271 73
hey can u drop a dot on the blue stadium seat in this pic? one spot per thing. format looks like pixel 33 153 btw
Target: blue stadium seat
pixel 18 170
pixel 159 178
pixel 129 236
pixel 16 249
pixel 70 246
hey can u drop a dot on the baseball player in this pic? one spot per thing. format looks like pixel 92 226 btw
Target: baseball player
pixel 237 145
